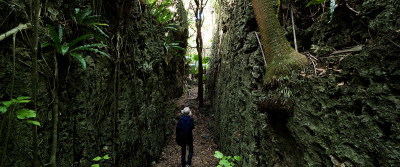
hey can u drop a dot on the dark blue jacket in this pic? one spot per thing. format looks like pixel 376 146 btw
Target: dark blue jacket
pixel 184 129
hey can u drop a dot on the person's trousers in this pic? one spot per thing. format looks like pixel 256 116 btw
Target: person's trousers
pixel 183 157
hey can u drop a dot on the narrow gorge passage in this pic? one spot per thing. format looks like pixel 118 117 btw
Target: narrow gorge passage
pixel 101 83
pixel 203 145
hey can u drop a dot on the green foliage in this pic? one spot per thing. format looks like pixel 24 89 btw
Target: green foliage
pixel 317 2
pixel 227 161
pixel 100 160
pixel 21 113
pixel 70 48
pixel 174 44
pixel 25 114
pixel 162 13
pixel 84 18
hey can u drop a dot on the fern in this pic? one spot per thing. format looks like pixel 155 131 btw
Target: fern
pixel 84 18
pixel 65 49
pixel 162 13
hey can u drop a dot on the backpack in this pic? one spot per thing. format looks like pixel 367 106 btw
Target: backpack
pixel 183 131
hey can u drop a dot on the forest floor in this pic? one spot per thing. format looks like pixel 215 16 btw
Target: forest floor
pixel 203 145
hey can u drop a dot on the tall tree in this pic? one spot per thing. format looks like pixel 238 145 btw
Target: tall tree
pixel 280 57
pixel 199 46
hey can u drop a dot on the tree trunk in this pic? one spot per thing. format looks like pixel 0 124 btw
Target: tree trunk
pixel 281 58
pixel 199 46
pixel 53 154
pixel 35 41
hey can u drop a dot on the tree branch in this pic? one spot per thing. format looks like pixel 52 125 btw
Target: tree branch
pixel 15 30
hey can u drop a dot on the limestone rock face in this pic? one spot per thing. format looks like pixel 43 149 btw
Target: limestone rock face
pixel 347 117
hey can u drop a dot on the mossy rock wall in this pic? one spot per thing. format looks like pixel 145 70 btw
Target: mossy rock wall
pixel 145 117
pixel 346 117
pixel 234 82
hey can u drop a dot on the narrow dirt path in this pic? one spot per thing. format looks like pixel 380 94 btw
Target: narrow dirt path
pixel 204 146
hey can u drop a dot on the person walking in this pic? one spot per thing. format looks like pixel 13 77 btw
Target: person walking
pixel 184 136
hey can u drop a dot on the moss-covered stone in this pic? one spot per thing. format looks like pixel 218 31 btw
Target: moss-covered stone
pixel 344 118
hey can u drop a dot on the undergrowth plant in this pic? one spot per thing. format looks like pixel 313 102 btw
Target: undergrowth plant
pixel 317 2
pixel 14 108
pixel 83 18
pixel 70 48
pixel 99 160
pixel 162 13
pixel 227 161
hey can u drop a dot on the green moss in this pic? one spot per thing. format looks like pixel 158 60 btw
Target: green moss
pixel 284 65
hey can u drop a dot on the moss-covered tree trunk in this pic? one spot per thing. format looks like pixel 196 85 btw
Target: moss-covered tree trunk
pixel 281 58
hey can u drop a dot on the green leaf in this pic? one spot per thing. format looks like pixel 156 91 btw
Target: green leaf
pixel 168 17
pixel 98 51
pixel 77 10
pixel 3 109
pixel 7 103
pixel 60 33
pixel 76 40
pixel 315 2
pixel 45 44
pixel 95 165
pixel 218 155
pixel 33 122
pixel 333 3
pixel 237 158
pixel 86 47
pixel 172 28
pixel 106 157
pixel 95 17
pixel 64 49
pixel 54 36
pixel 25 113
pixel 87 13
pixel 101 31
pixel 101 24
pixel 23 99
pixel 224 163
pixel 163 15
pixel 152 5
pixel 80 59
pixel 97 158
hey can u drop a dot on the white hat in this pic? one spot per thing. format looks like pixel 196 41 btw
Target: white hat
pixel 186 111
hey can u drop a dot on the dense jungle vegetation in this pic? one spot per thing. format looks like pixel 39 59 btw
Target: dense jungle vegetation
pixel 269 82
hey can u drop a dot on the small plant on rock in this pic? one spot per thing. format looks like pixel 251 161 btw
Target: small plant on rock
pixel 13 107
pixel 100 160
pixel 227 161
pixel 69 48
